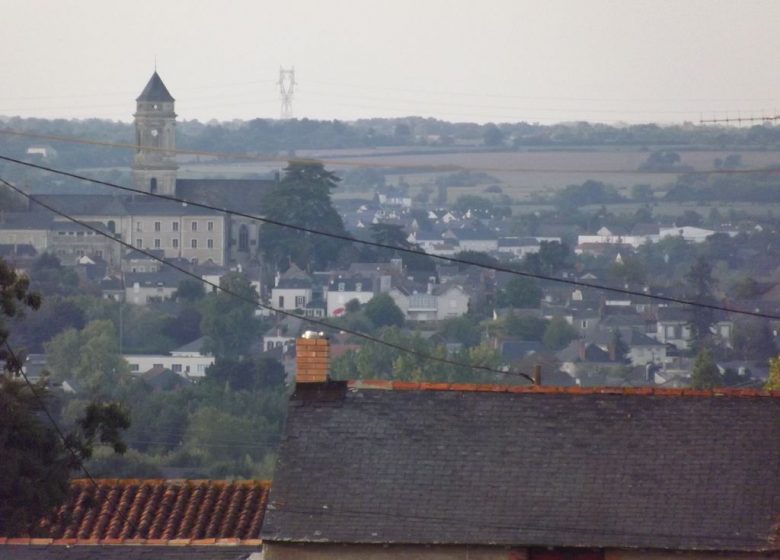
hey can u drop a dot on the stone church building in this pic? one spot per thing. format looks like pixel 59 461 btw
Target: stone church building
pixel 155 171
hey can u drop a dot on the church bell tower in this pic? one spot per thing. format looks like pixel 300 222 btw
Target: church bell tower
pixel 154 166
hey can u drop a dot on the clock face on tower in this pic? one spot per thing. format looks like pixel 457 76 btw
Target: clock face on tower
pixel 154 132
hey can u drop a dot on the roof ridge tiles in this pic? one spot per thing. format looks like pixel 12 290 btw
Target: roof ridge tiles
pixel 548 389
pixel 38 541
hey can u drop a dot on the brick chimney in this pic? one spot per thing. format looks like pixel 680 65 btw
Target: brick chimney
pixel 313 358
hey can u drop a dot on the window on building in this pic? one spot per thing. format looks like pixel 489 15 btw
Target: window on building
pixel 194 225
pixel 156 226
pixel 194 244
pixel 156 243
pixel 210 243
pixel 134 367
pixel 341 286
pixel 300 301
pixel 176 368
pixel 210 226
pixel 139 243
pixel 175 226
pixel 153 185
pixel 157 365
pixel 281 302
pixel 175 243
pixel 112 226
pixel 138 226
pixel 243 238
pixel 358 287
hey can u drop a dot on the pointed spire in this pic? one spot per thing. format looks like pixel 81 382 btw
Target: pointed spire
pixel 155 90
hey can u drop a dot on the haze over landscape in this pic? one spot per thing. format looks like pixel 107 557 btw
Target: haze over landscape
pixel 500 60
pixel 495 280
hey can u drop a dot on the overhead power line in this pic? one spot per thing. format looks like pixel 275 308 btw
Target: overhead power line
pixel 42 404
pixel 256 303
pixel 362 162
pixel 347 238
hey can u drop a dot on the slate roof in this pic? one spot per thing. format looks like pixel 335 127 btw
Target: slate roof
pixel 245 195
pixel 155 90
pixel 392 462
pixel 157 512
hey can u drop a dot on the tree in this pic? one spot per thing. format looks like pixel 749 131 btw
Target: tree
pixel 51 278
pixel 229 321
pixel 753 340
pixel 706 374
pixel 461 329
pixel 382 311
pixel 247 375
pixel 701 283
pixel 492 136
pixel 301 198
pixel 34 459
pixel 558 334
pixel 552 258
pixel 642 193
pixel 520 291
pixel 526 328
pixel 618 346
pixel 190 290
pixel 773 380
pixel 91 357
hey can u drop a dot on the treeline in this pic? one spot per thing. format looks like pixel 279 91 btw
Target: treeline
pixel 270 135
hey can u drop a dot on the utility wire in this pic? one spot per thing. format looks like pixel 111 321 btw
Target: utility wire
pixel 347 238
pixel 356 163
pixel 78 460
pixel 257 303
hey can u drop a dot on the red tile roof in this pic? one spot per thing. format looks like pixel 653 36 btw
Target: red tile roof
pixel 548 389
pixel 156 512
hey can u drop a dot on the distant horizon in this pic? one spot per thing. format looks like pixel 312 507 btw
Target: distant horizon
pixel 557 61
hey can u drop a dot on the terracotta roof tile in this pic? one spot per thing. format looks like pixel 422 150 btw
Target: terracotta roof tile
pixel 155 512
pixel 549 389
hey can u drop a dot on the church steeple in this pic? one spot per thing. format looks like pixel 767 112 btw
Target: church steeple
pixel 154 167
pixel 155 90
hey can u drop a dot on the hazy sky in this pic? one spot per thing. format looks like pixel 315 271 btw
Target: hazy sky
pixel 481 60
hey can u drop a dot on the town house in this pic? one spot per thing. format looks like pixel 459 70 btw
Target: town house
pixel 381 470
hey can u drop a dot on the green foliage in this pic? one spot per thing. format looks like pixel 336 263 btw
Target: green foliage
pixel 190 290
pixel 701 283
pixel 558 334
pixel 524 327
pixel 520 291
pixel 301 198
pixel 746 288
pixel 34 460
pixel 51 278
pixel 630 272
pixel 589 192
pixel 378 361
pixel 552 258
pixel 773 380
pixel 382 311
pixel 248 375
pixel 705 373
pixel 753 340
pixel 492 136
pixel 228 321
pixel 35 465
pixel 53 316
pixel 462 329
pixel 90 356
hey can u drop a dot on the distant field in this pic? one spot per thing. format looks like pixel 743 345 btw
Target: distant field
pixel 521 173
